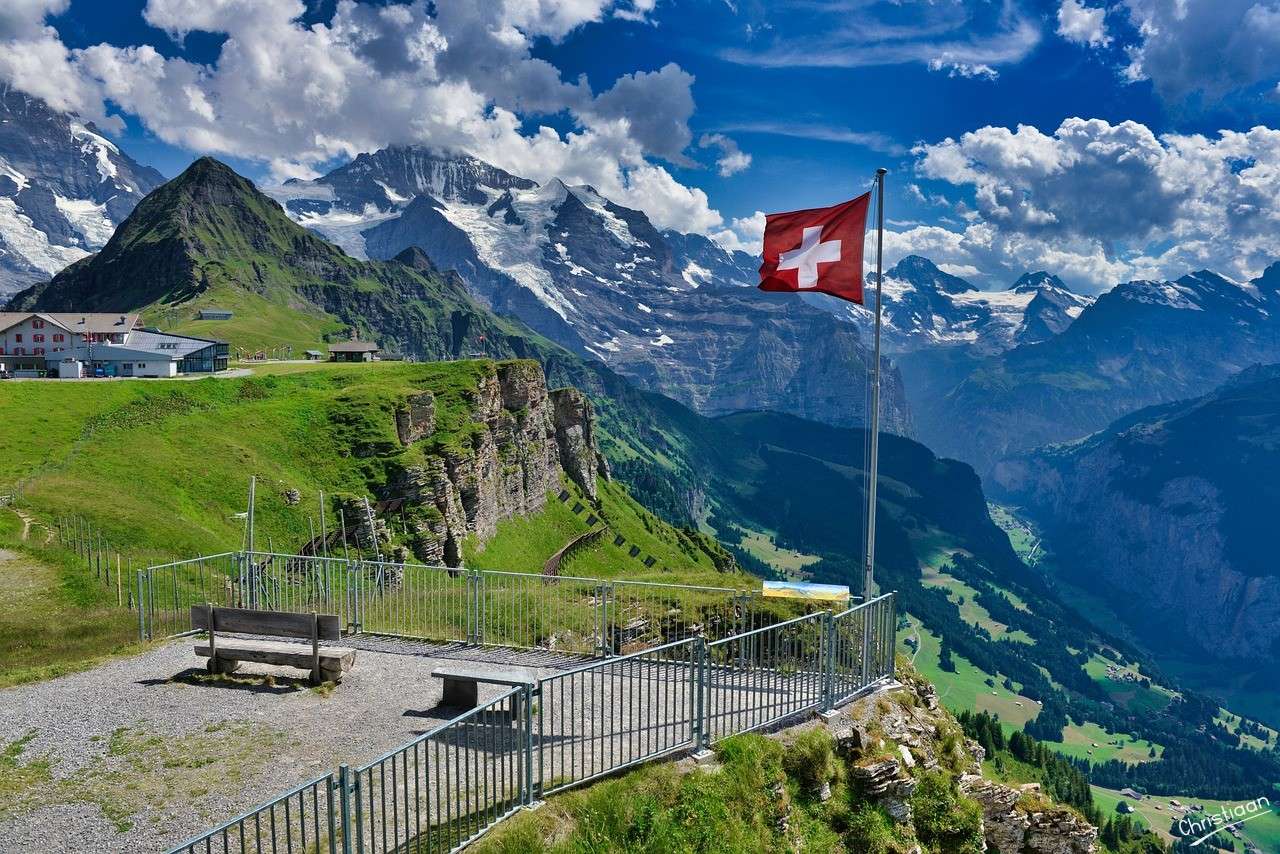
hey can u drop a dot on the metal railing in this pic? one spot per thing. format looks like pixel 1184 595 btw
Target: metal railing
pixel 443 789
pixel 565 614
pixel 304 819
pixel 449 785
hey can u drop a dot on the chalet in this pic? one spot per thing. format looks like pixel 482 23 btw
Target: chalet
pixel 1131 794
pixel 214 314
pixel 353 351
pixel 76 344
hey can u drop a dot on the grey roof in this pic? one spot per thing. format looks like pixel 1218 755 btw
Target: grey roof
pixel 113 353
pixel 354 347
pixel 165 344
pixel 113 322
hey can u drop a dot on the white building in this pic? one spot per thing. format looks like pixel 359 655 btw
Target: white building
pixel 99 344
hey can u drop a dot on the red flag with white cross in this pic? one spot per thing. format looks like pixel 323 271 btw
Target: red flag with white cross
pixel 818 250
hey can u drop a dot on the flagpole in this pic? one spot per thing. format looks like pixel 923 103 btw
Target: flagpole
pixel 869 569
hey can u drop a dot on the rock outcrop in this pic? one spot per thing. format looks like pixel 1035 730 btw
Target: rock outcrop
pixel 524 436
pixel 1020 821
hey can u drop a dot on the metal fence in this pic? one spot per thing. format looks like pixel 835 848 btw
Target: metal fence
pixel 445 788
pixel 565 614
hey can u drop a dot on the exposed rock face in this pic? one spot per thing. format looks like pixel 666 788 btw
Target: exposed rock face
pixel 527 436
pixel 675 313
pixel 1018 821
pixel 1163 509
pixel 64 187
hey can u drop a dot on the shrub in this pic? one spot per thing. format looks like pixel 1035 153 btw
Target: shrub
pixel 872 831
pixel 946 822
pixel 811 760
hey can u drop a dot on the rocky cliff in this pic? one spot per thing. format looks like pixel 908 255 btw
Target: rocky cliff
pixel 1167 510
pixel 520 438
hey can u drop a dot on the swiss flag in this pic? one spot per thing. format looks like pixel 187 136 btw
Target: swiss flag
pixel 819 249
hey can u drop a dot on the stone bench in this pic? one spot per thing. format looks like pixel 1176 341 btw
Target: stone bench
pixel 325 663
pixel 462 684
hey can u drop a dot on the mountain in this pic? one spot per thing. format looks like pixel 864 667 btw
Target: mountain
pixel 668 310
pixel 64 188
pixel 1142 343
pixel 209 238
pixel 1165 514
pixel 927 309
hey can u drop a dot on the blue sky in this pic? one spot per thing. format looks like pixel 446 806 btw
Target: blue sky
pixel 1085 137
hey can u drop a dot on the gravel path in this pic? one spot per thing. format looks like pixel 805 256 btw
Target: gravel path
pixel 143 753
pixel 119 740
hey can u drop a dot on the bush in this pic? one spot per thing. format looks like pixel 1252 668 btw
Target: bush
pixel 811 760
pixel 946 822
pixel 872 831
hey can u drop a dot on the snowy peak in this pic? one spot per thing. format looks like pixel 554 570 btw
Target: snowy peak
pixel 64 187
pixel 924 274
pixel 1033 282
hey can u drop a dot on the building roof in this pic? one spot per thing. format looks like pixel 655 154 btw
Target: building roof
pixel 354 347
pixel 166 344
pixel 104 322
pixel 113 353
pixel 313 352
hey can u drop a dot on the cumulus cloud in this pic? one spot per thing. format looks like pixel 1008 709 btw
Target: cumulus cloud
pixel 1208 49
pixel 731 159
pixel 1083 25
pixel 454 75
pixel 955 68
pixel 1103 202
pixel 743 234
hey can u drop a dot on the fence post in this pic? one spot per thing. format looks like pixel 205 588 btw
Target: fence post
pixel 526 708
pixel 828 661
pixel 866 644
pixel 344 805
pixel 699 687
pixel 893 638
pixel 142 614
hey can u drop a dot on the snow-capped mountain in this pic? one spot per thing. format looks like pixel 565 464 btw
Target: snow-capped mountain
pixel 668 310
pixel 925 307
pixel 64 187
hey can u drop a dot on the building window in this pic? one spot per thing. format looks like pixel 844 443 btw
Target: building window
pixel 57 336
pixel 18 351
pixel 39 351
pixel 38 338
pixel 37 324
pixel 17 337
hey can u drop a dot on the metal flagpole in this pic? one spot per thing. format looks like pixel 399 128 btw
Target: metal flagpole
pixel 869 577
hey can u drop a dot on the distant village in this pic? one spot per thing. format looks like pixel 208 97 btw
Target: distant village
pixel 80 345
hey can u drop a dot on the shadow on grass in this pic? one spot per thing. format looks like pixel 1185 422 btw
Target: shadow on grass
pixel 250 682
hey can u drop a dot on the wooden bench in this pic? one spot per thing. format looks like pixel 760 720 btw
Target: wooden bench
pixel 462 684
pixel 326 663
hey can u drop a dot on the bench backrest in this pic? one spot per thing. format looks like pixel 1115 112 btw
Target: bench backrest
pixel 277 623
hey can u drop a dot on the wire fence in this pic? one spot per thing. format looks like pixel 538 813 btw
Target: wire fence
pixel 443 789
pixel 110 567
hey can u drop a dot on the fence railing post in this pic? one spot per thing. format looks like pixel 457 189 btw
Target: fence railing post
pixel 866 645
pixel 344 805
pixel 699 689
pixel 142 611
pixel 526 709
pixel 893 637
pixel 828 661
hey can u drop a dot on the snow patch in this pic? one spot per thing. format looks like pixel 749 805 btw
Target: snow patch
pixel 19 235
pixel 100 147
pixel 89 219
pixel 18 177
pixel 344 228
pixel 644 308
pixel 695 274
pixel 662 340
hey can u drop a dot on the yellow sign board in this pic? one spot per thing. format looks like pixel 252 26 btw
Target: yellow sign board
pixel 805 590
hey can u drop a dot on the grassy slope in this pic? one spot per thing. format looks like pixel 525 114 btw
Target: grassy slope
pixel 1262 832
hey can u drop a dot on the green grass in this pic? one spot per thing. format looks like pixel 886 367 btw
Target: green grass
pixel 761 545
pixel 1078 742
pixel 258 322
pixel 1262 832
pixel 1133 696
pixel 966 598
pixel 54 619
pixel 966 689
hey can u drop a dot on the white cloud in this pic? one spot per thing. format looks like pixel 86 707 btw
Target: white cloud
pixel 874 140
pixel 731 159
pixel 955 68
pixel 453 75
pixel 960 36
pixel 1101 202
pixel 745 234
pixel 1209 49
pixel 1083 25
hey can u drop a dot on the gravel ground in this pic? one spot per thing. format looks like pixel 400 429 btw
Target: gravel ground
pixel 146 752
pixel 117 739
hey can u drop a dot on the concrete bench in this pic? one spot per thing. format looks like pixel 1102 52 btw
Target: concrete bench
pixel 326 663
pixel 462 684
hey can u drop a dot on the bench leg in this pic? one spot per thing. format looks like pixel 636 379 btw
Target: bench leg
pixel 217 665
pixel 460 693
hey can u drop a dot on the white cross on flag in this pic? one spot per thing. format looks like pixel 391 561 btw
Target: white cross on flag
pixel 819 249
